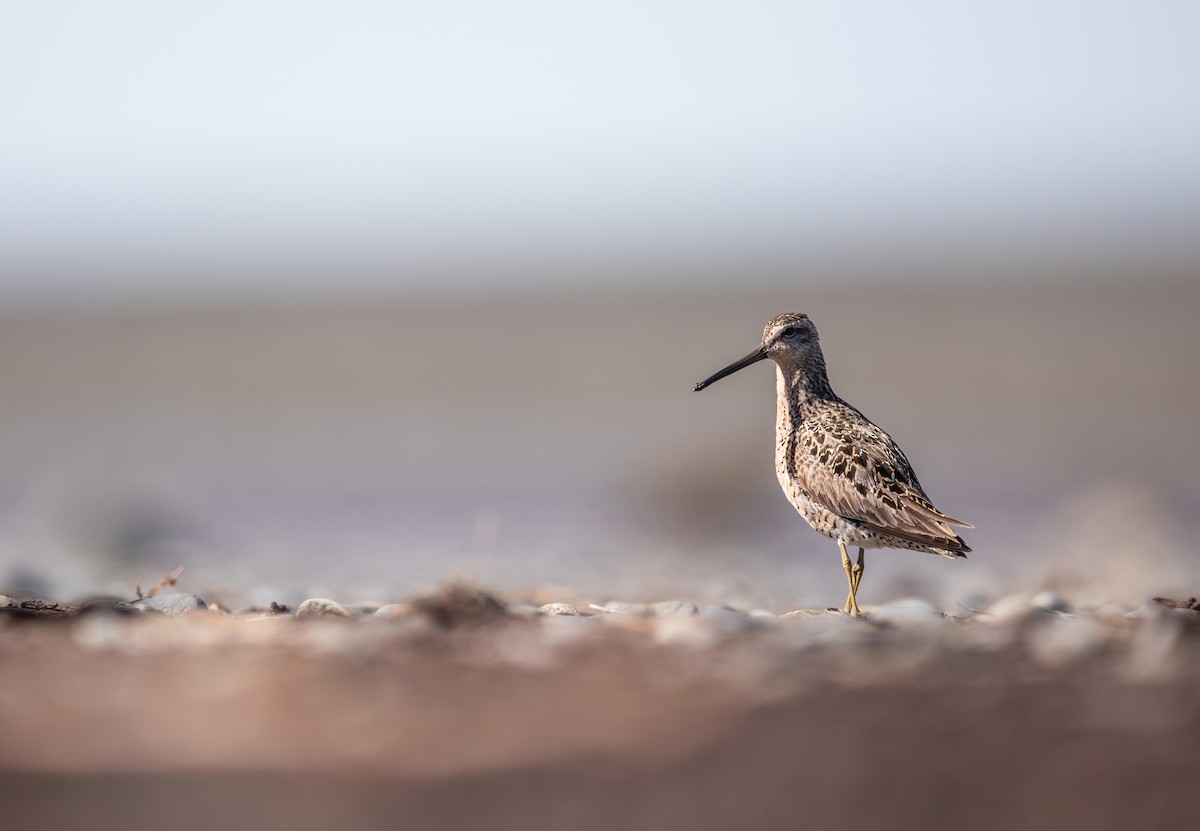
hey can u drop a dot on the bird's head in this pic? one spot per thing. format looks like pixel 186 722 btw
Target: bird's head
pixel 787 340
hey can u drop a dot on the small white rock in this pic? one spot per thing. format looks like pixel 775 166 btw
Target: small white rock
pixel 804 628
pixel 1048 601
pixel 173 604
pixel 321 607
pixel 674 608
pixel 812 614
pixel 557 609
pixel 908 611
pixel 617 607
pixel 1010 608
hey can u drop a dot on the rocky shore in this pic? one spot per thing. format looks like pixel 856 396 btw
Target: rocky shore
pixel 461 708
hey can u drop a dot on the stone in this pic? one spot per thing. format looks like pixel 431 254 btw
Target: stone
pixel 617 607
pixel 908 611
pixel 321 607
pixel 173 604
pixel 674 608
pixel 1048 601
pixel 804 628
pixel 808 614
pixel 557 609
pixel 461 604
pixel 1011 608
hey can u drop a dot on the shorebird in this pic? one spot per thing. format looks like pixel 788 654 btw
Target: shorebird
pixel 844 475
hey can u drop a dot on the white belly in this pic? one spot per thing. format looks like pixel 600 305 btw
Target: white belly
pixel 824 521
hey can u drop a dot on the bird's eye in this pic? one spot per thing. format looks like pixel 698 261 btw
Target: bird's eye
pixel 789 333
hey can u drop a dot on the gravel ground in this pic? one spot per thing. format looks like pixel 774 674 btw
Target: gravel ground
pixel 461 710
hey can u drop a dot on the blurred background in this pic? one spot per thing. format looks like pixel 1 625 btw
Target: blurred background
pixel 353 299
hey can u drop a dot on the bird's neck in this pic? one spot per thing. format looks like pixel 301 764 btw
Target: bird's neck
pixel 802 384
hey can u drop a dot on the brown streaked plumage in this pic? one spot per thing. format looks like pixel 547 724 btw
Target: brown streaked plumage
pixel 841 472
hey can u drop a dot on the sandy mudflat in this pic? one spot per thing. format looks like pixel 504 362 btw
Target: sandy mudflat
pixel 667 718
pixel 326 449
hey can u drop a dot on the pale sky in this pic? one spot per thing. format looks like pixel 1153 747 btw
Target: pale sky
pixel 151 141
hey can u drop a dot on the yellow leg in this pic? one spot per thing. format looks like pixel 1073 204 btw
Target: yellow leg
pixel 851 606
pixel 859 570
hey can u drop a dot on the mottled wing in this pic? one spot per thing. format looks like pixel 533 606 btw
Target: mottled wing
pixel 853 468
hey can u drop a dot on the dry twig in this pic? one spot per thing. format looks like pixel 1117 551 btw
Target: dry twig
pixel 164 583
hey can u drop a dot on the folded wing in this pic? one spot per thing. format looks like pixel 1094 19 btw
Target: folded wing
pixel 853 468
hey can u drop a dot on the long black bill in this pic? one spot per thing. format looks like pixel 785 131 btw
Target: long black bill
pixel 753 358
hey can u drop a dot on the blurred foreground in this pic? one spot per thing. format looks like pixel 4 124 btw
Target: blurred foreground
pixel 459 712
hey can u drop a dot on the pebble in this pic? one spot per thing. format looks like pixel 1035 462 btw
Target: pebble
pixel 557 609
pixel 1013 608
pixel 810 627
pixel 617 607
pixel 1048 601
pixel 6 601
pixel 321 607
pixel 811 614
pixel 173 604
pixel 674 608
pixel 908 611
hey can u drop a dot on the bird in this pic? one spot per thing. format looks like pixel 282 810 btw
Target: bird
pixel 841 472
